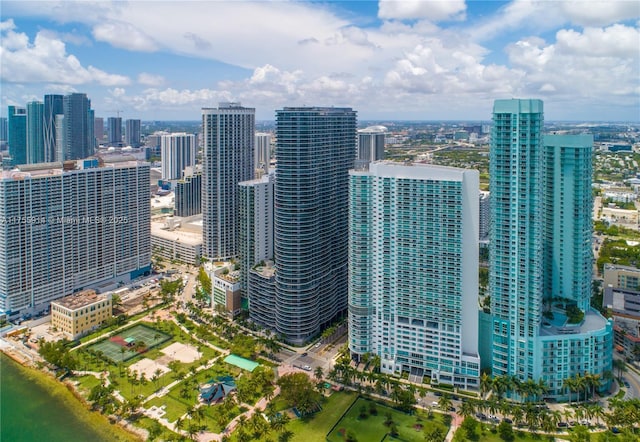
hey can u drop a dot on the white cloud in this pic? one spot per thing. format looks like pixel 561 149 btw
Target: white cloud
pixel 600 13
pixel 46 61
pixel 124 35
pixel 147 79
pixel 7 25
pixel 434 10
pixel 597 64
pixel 614 41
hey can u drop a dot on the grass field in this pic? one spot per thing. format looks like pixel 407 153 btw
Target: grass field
pixel 370 427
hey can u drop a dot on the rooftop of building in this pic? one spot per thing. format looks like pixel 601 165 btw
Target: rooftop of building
pixel 232 277
pixel 80 299
pixel 611 266
pixel 266 269
pixel 592 322
pixel 185 230
pixel 418 171
pixel 622 302
pixel 39 170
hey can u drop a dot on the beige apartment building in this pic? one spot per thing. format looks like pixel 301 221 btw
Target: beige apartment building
pixel 80 313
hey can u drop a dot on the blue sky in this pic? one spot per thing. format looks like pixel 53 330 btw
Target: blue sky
pixel 412 59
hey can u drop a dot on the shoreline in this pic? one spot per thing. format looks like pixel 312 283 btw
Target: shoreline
pixel 71 398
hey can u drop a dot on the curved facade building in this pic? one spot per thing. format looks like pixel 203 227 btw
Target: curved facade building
pixel 315 149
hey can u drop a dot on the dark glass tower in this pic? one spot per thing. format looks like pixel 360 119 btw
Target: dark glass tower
pixel 52 106
pixel 315 150
pixel 78 126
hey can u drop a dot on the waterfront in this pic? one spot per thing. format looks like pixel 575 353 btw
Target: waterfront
pixel 35 407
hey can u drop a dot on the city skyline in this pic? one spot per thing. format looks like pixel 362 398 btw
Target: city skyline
pixel 405 60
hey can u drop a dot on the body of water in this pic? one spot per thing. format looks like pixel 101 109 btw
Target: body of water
pixel 31 410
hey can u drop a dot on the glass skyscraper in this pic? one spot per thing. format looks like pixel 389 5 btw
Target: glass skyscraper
pixel 515 271
pixel 78 138
pixel 315 149
pixel 540 253
pixel 228 137
pixel 17 128
pixel 53 106
pixel 132 133
pixel 413 270
pixel 35 132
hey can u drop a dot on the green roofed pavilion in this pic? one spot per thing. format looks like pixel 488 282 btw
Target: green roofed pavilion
pixel 243 363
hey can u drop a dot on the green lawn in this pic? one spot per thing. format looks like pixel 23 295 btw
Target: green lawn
pixel 316 426
pixel 371 427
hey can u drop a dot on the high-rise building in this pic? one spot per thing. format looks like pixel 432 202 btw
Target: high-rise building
pixel 262 154
pixel 255 237
pixel 228 138
pixel 17 128
pixel 114 131
pixel 515 242
pixel 71 228
pixel 485 215
pixel 98 130
pixel 413 270
pixel 4 134
pixel 569 325
pixel 53 106
pixel 178 150
pixel 132 133
pixel 371 144
pixel 78 127
pixel 188 194
pixel 35 132
pixel 315 149
pixel 535 192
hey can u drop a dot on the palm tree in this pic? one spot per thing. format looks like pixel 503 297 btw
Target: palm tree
pixel 619 365
pixel 467 409
pixel 444 402
pixel 569 384
pixel 485 384
pixel 517 414
pixel 318 373
pixel 179 424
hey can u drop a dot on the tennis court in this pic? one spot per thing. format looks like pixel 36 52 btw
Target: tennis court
pixel 130 340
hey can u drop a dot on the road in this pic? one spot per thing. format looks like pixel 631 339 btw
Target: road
pixel 633 378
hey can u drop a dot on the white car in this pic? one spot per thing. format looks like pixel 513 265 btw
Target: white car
pixel 306 367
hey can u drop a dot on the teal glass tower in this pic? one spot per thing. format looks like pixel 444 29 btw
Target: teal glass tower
pixel 413 270
pixel 540 253
pixel 35 132
pixel 574 339
pixel 315 149
pixel 515 271
pixel 17 133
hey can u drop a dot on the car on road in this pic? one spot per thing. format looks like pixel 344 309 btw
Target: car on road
pixel 306 368
pixel 305 353
pixel 481 416
pixel 317 345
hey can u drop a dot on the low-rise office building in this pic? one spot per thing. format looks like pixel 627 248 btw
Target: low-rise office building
pixel 80 313
pixel 225 286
